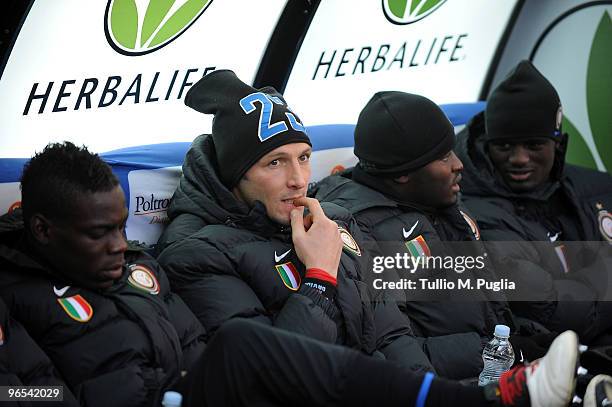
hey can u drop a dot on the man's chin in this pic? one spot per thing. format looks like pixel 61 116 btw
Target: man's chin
pixel 281 218
pixel 521 186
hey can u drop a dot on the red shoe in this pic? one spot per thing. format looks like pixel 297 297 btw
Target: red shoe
pixel 546 382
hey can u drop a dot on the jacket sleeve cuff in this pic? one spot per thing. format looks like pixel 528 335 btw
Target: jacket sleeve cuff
pixel 319 299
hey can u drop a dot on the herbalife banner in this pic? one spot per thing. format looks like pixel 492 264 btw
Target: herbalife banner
pixel 113 73
pixel 570 42
pixel 440 49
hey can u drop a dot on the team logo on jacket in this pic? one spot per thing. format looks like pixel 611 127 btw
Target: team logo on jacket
pixel 472 224
pixel 142 277
pixel 348 242
pixel 290 276
pixel 77 308
pixel 418 247
pixel 605 224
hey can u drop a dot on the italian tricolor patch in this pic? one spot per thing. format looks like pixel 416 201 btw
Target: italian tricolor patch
pixel 418 247
pixel 77 308
pixel 290 276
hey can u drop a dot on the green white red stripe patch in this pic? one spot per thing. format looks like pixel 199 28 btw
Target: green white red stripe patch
pixel 290 276
pixel 77 308
pixel 418 247
pixel 561 253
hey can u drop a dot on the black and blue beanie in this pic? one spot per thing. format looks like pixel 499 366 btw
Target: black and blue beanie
pixel 248 122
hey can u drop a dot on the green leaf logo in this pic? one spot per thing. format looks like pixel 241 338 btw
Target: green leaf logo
pixel 138 27
pixel 599 99
pixel 409 11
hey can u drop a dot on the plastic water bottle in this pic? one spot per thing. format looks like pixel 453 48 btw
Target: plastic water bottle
pixel 172 399
pixel 498 356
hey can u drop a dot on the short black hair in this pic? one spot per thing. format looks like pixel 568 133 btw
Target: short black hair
pixel 54 178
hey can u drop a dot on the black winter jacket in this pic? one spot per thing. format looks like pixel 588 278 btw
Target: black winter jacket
pixel 223 258
pixel 123 346
pixel 384 221
pixel 552 240
pixel 23 363
pixel 227 260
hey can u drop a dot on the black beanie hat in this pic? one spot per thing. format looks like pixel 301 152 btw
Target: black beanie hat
pixel 524 105
pixel 399 132
pixel 242 138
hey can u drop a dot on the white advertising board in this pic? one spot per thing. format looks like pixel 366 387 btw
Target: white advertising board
pixel 440 49
pixel 113 73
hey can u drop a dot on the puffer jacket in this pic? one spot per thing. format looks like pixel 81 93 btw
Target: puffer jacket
pixel 228 260
pixel 23 363
pixel 224 259
pixel 392 226
pixel 552 240
pixel 122 346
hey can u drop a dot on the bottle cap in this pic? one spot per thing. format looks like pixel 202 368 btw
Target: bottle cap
pixel 502 331
pixel 172 398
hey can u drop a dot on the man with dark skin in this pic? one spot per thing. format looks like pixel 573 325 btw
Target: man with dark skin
pixel 70 277
pixel 404 194
pixel 546 223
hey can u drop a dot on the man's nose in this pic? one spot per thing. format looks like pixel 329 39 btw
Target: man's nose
pixel 519 156
pixel 118 242
pixel 297 177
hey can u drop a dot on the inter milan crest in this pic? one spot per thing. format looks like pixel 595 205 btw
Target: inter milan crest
pixel 290 276
pixel 349 242
pixel 142 277
pixel 605 222
pixel 77 308
pixel 472 224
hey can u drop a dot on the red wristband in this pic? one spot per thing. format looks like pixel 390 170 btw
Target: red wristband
pixel 322 275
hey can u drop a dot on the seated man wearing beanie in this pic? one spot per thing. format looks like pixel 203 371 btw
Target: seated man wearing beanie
pixel 238 244
pixel 403 194
pixel 548 222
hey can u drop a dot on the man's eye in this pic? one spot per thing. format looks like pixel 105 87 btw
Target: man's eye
pixel 305 157
pixel 96 234
pixel 274 163
pixel 535 146
pixel 503 147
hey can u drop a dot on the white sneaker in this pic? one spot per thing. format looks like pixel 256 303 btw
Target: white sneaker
pixel 546 382
pixel 599 392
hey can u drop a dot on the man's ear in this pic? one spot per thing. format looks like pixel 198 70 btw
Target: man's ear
pixel 402 179
pixel 40 227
